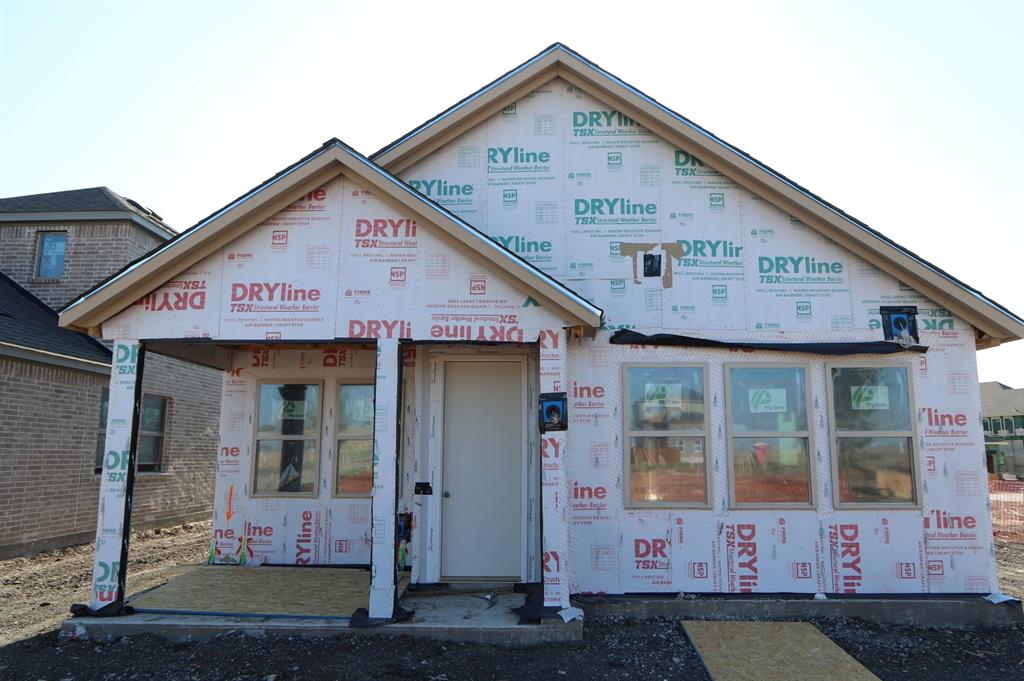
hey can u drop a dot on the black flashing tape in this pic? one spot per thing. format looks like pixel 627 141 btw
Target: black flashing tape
pixel 627 337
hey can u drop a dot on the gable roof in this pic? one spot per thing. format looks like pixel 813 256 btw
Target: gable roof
pixel 998 399
pixel 29 330
pixel 995 322
pixel 138 278
pixel 98 203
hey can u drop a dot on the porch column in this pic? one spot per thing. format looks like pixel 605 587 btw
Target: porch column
pixel 110 563
pixel 385 470
pixel 555 538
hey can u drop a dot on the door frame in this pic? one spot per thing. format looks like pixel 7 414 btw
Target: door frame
pixel 437 406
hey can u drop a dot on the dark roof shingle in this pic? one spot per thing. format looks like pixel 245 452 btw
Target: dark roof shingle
pixel 29 322
pixel 91 200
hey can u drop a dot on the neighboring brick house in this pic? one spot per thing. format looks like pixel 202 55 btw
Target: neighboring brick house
pixel 1002 417
pixel 53 382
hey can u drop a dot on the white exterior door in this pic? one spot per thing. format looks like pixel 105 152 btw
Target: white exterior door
pixel 483 471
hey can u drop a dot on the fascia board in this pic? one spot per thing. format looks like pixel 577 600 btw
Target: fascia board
pixel 66 217
pixel 824 219
pixel 524 274
pixel 37 356
pixel 91 310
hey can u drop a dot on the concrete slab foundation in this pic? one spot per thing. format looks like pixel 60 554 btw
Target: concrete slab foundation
pixel 944 611
pixel 447 617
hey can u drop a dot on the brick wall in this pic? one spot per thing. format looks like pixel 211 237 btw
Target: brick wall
pixel 94 251
pixel 48 429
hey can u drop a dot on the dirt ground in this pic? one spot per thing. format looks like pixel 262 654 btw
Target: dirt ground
pixel 35 594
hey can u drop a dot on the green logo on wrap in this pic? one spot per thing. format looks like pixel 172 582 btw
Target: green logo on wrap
pixel 869 397
pixel 766 400
pixel 115 465
pixel 127 358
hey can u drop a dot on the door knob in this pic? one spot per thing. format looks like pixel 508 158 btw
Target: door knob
pixel 447 494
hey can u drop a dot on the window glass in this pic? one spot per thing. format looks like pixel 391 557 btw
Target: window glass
pixel 666 398
pixel 874 469
pixel 355 410
pixel 771 470
pixel 355 467
pixel 152 417
pixel 288 409
pixel 667 469
pixel 51 254
pixel 1018 422
pixel 149 453
pixel 1008 423
pixel 285 466
pixel 101 431
pixel 986 425
pixel 666 451
pixel 768 399
pixel 871 398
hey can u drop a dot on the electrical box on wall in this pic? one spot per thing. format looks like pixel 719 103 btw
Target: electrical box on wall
pixel 899 322
pixel 553 412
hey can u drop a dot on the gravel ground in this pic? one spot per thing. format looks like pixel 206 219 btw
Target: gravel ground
pixel 36 592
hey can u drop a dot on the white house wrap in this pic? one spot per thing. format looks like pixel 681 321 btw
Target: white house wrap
pixel 551 195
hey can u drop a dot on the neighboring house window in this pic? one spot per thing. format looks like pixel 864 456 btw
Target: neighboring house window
pixel 872 435
pixel 769 435
pixel 353 473
pixel 152 423
pixel 101 431
pixel 1008 424
pixel 50 263
pixel 287 439
pixel 986 425
pixel 665 430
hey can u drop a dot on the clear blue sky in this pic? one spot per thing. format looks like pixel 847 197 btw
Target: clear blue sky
pixel 909 116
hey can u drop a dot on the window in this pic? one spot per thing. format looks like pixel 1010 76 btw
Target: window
pixel 101 432
pixel 769 435
pixel 353 473
pixel 665 430
pixel 872 436
pixel 287 437
pixel 1008 424
pixel 152 422
pixel 50 263
pixel 986 425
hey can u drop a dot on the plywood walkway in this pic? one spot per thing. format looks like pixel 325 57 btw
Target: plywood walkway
pixel 275 591
pixel 771 651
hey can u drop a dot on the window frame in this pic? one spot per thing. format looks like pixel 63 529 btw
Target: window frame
pixel 152 433
pixel 40 238
pixel 101 432
pixel 339 437
pixel 912 434
pixel 318 438
pixel 627 433
pixel 812 487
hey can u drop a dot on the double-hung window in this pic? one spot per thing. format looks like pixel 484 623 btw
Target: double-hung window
pixel 666 436
pixel 152 424
pixel 872 436
pixel 353 474
pixel 769 435
pixel 287 439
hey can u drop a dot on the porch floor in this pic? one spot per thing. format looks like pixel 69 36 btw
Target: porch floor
pixel 180 614
pixel 260 591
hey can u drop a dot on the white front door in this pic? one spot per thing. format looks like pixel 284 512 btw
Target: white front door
pixel 483 471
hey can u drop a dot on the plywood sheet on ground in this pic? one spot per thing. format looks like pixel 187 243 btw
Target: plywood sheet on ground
pixel 282 591
pixel 771 651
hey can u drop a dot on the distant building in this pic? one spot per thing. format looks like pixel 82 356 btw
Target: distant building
pixel 1002 418
pixel 53 382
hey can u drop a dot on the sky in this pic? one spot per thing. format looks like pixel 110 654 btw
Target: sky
pixel 909 116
